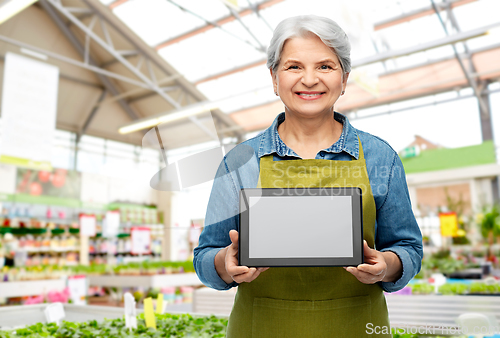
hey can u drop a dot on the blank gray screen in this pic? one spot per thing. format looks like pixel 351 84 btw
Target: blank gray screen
pixel 300 227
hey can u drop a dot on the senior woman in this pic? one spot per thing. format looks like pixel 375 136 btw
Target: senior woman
pixel 309 62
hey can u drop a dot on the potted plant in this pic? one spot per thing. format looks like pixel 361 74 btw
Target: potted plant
pixel 489 223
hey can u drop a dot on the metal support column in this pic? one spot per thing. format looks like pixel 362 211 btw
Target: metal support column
pixel 485 112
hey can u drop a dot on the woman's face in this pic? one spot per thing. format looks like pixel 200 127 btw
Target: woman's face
pixel 309 77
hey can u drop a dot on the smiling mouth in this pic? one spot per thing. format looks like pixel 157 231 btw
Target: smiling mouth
pixel 309 94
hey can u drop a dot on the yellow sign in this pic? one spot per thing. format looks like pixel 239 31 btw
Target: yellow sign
pixel 159 304
pixel 449 224
pixel 149 313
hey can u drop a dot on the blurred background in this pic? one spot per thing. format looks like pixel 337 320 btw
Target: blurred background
pixel 83 81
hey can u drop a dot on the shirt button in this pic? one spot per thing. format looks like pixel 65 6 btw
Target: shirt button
pixel 322 153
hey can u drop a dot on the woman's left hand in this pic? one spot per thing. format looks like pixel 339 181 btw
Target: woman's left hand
pixel 376 266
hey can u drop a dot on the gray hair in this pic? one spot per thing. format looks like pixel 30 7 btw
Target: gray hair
pixel 299 26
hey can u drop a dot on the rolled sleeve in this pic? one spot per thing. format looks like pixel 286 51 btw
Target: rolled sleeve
pixel 205 269
pixel 408 268
pixel 397 228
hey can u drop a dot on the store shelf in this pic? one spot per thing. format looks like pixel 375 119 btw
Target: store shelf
pixel 16 316
pixel 30 288
pixel 180 279
pixel 49 250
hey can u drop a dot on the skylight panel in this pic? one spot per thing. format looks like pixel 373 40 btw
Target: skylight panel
pixel 492 38
pixel 156 20
pixel 373 69
pixel 466 91
pixel 259 28
pixel 345 13
pixel 249 100
pixel 384 10
pixel 410 60
pixel 212 10
pixel 208 54
pixel 240 90
pixel 412 5
pixel 237 83
pixel 494 86
pixel 477 14
pixel 441 52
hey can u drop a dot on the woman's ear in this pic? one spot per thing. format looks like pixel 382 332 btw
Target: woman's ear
pixel 275 81
pixel 344 81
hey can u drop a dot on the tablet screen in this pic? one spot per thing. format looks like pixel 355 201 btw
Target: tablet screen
pixel 283 227
pixel 306 226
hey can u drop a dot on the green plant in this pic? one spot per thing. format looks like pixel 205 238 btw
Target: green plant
pixel 484 288
pixel 453 289
pixel 446 265
pixel 168 325
pixel 422 289
pixel 490 223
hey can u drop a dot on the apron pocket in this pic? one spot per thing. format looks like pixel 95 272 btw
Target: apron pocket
pixel 344 317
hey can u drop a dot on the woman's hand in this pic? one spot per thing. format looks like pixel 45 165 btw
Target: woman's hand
pixel 378 266
pixel 226 264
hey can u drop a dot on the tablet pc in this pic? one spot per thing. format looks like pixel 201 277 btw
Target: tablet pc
pixel 285 227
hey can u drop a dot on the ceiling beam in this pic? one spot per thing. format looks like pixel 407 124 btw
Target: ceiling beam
pixel 89 118
pixel 81 50
pixel 418 13
pixel 219 22
pixel 231 71
pixel 450 39
pixel 471 80
pixel 417 86
pixel 148 53
pixel 73 62
pixel 461 36
pixel 71 78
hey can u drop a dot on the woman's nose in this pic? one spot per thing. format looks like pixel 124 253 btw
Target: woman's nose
pixel 309 78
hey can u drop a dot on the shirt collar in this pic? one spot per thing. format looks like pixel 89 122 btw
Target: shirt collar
pixel 271 142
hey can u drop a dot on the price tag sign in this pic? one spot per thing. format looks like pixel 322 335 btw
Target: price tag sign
pixel 54 313
pixel 87 225
pixel 149 313
pixel 130 312
pixel 78 289
pixel 449 224
pixel 141 240
pixel 159 304
pixel 111 224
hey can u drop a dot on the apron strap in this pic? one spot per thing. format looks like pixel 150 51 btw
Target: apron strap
pixel 361 155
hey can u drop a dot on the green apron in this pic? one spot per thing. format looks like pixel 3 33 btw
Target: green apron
pixel 312 301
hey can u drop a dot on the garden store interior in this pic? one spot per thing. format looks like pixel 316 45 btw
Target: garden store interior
pixel 98 97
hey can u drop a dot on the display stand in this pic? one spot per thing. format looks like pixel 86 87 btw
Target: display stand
pixel 155 281
pixel 31 288
pixel 18 316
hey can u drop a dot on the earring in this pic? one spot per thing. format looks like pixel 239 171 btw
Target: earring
pixel 343 92
pixel 276 93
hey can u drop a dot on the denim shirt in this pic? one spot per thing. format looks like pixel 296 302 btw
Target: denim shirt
pixel 396 229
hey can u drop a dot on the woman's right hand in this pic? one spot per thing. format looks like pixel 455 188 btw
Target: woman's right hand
pixel 233 271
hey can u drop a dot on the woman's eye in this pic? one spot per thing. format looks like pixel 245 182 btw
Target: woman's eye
pixel 325 67
pixel 293 67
